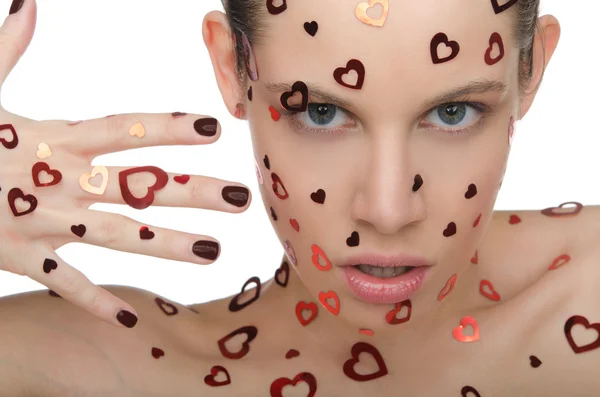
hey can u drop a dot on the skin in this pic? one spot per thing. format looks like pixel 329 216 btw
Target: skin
pixel 367 173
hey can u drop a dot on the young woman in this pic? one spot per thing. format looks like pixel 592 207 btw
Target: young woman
pixel 381 132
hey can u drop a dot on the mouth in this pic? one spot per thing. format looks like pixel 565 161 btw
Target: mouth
pixel 382 272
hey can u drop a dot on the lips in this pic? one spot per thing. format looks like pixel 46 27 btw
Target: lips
pixel 397 260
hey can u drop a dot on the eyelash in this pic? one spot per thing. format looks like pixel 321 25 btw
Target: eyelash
pixel 483 110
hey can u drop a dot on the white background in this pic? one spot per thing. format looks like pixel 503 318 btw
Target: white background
pixel 89 59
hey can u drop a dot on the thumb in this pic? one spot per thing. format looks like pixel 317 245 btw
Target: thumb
pixel 16 34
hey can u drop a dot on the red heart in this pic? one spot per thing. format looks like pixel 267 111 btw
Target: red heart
pixel 235 306
pixel 457 332
pixel 15 139
pixel 300 307
pixel 391 316
pixel 41 166
pixel 495 38
pixel 214 371
pixel 165 305
pixel 475 258
pixel 477 221
pixel 358 67
pixel 363 347
pixel 553 210
pixel 365 331
pixel 560 261
pixel 323 296
pixel 183 179
pixel 580 320
pixel 316 253
pixel 145 233
pixel 278 384
pixel 285 270
pixel 157 353
pixel 439 39
pixel 514 219
pixel 491 294
pixel 16 193
pixel 447 288
pixel 250 331
pixel 140 203
pixel 292 353
pixel 276 183
pixel 295 224
pixel 275 115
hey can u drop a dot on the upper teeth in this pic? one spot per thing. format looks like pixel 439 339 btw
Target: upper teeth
pixel 383 272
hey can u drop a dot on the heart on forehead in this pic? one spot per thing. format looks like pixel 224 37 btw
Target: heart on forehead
pixel 560 211
pixel 308 378
pixel 580 320
pixel 494 39
pixel 353 65
pixel 498 8
pixel 16 193
pixel 391 316
pixel 442 38
pixel 301 307
pixel 357 349
pixel 362 8
pixel 250 331
pixel 276 9
pixel 235 306
pixel 43 167
pixel 144 202
pixel 300 87
pixel 464 392
pixel 214 371
pixel 15 138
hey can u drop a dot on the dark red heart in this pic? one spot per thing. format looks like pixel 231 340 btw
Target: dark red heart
pixel 471 192
pixel 301 306
pixel 15 139
pixel 145 233
pixel 273 214
pixel 450 230
pixel 235 306
pixel 500 8
pixel 16 193
pixel 267 162
pixel 311 28
pixel 391 316
pixel 172 310
pixel 514 219
pixel 439 39
pixel 78 230
pixel 278 384
pixel 418 183
pixel 285 270
pixel 580 320
pixel 144 202
pixel 477 221
pixel 353 240
pixel 49 265
pixel 292 353
pixel 276 183
pixel 358 67
pixel 363 347
pixel 318 196
pixel 297 87
pixel 274 10
pixel 250 93
pixel 552 211
pixel 41 166
pixel 183 179
pixel 494 39
pixel 157 353
pixel 250 331
pixel 534 361
pixel 469 389
pixel 214 371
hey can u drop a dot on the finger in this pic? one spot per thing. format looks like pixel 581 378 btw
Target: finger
pixel 121 185
pixel 95 137
pixel 121 233
pixel 76 288
pixel 15 35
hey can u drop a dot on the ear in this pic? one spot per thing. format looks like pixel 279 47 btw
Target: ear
pixel 550 31
pixel 218 39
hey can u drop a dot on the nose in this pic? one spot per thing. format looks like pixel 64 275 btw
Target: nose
pixel 390 196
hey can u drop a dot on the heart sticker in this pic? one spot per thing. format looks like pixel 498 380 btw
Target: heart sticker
pixel 78 230
pixel 283 271
pixel 273 9
pixel 447 288
pixel 49 265
pixel 366 331
pixel 308 378
pixel 43 151
pixel 250 331
pixel 292 353
pixel 450 230
pixel 16 193
pixel 43 167
pixel 273 214
pixel 15 138
pixel 353 65
pixel 495 39
pixel 300 87
pixel 266 162
pixel 561 211
pixel 475 258
pixel 442 38
pixel 275 115
pixel 487 289
pixel 318 253
pixel 323 298
pixel 182 179
pixel 353 240
pixel 289 250
pixel 580 320
pixel 418 183
pixel 560 261
pixel 301 307
pixel 137 130
pixel 469 389
pixel 168 308
pixel 84 181
pixel 318 196
pixel 391 316
pixel 501 8
pixel 145 233
pixel 140 203
pixel 477 221
pixel 534 361
pixel 295 225
pixel 514 219
pixel 276 184
pixel 457 332
pixel 357 349
pixel 235 306
pixel 214 371
pixel 157 353
pixel 311 28
pixel 471 191
pixel 361 12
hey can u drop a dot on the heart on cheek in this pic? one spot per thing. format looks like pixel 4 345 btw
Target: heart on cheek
pixel 14 141
pixel 140 203
pixel 495 39
pixel 317 254
pixel 447 288
pixel 355 67
pixel 475 258
pixel 278 384
pixel 477 221
pixel 365 348
pixel 16 193
pixel 325 296
pixel 318 196
pixel 295 225
pixel 214 372
pixel 275 115
pixel 168 308
pixel 561 211
pixel 301 308
pixel 442 38
pixel 353 240
pixel 276 184
pixel 235 306
pixel 391 316
pixel 469 391
pixel 250 331
pixel 450 230
pixel 301 88
pixel 580 320
pixel 457 332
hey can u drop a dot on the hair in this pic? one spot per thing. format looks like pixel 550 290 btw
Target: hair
pixel 248 16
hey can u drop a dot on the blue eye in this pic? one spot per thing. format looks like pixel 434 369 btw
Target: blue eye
pixel 453 115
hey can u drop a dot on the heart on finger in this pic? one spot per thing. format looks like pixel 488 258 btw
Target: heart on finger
pixel 137 130
pixel 42 169
pixel 43 151
pixel 14 138
pixel 182 179
pixel 235 305
pixel 362 9
pixel 78 230
pixel 250 333
pixel 84 180
pixel 565 209
pixel 144 202
pixel 146 234
pixel 17 194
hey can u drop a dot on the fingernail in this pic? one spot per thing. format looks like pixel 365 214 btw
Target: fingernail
pixel 177 114
pixel 15 6
pixel 206 249
pixel 206 126
pixel 235 195
pixel 127 318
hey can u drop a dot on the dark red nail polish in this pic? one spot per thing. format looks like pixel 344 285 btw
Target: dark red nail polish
pixel 15 6
pixel 206 249
pixel 178 114
pixel 127 318
pixel 206 126
pixel 235 195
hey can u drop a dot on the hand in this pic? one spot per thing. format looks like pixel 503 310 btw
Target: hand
pixel 47 184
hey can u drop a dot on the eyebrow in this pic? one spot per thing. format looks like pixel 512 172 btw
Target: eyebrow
pixel 473 87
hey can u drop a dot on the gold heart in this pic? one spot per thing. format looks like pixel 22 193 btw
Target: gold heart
pixel 43 151
pixel 84 180
pixel 137 130
pixel 361 12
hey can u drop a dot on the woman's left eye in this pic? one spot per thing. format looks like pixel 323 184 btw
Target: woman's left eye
pixel 322 118
pixel 455 114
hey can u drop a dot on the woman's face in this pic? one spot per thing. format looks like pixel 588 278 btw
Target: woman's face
pixel 380 161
